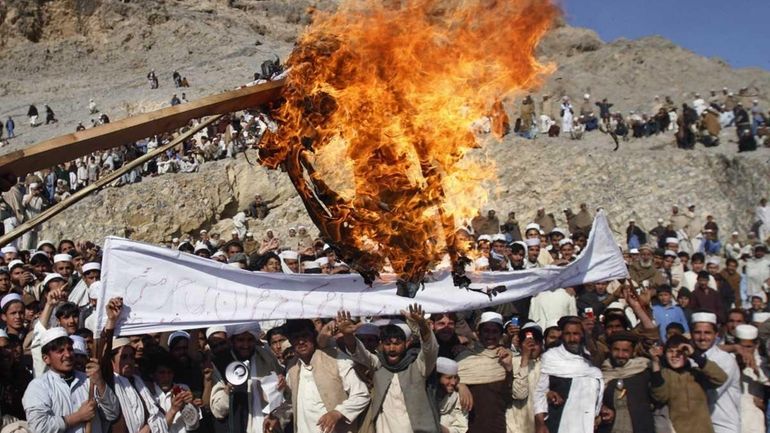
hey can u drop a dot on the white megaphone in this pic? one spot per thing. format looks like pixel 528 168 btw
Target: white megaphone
pixel 237 373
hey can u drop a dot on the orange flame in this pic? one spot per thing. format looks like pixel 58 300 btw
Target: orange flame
pixel 376 120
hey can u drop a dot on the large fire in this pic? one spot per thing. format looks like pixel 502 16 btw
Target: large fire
pixel 376 123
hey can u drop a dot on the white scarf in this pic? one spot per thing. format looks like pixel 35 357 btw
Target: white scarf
pixel 133 402
pixel 585 393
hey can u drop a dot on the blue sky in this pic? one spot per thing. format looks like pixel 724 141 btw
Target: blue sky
pixel 734 30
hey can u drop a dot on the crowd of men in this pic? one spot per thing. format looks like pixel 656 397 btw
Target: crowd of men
pixel 699 120
pixel 681 345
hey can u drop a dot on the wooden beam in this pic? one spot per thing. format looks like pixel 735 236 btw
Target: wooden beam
pixel 68 147
pixel 99 184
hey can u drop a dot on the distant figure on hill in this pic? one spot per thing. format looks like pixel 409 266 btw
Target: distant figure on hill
pixel 80 127
pixel 32 114
pixel 152 79
pixel 10 126
pixel 92 106
pixel 177 77
pixel 175 100
pixel 50 117
pixel 184 82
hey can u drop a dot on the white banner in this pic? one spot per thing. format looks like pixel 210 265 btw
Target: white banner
pixel 165 290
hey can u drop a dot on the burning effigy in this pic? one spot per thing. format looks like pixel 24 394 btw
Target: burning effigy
pixel 375 122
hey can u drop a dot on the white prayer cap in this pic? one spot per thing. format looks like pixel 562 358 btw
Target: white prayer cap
pixel 670 253
pixel 499 237
pixel 632 220
pixel 368 329
pixel 660 220
pixel 586 96
pixel 381 322
pixel 94 290
pixel 9 298
pixel 704 317
pixel 289 255
pixel 713 260
pixel 736 233
pixel 532 226
pixel 310 264
pixel 52 334
pixel 39 253
pixel 323 261
pixel 447 366
pixel 214 329
pixel 203 232
pixel 491 317
pixel 672 241
pixel 79 345
pixel 633 251
pixel 34 185
pixel 200 246
pixel 236 265
pixel 41 243
pixel 616 306
pixel 251 235
pixel 532 242
pixel 177 334
pixel 92 266
pixel 52 276
pixel 301 228
pixel 485 238
pixel 3 334
pixel 234 232
pixel 566 241
pixel 482 262
pixel 760 317
pixel 9 249
pixel 252 328
pixel 15 263
pixel 404 327
pixel 118 342
pixel 529 325
pixel 559 231
pixel 175 240
pixel 62 258
pixel 218 254
pixel 523 244
pixel 746 332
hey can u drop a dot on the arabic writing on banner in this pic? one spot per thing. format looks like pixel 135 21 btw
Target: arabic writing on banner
pixel 165 290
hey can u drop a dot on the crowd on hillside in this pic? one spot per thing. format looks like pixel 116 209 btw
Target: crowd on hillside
pixel 682 345
pixel 699 120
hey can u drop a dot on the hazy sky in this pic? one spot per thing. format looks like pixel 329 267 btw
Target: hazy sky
pixel 734 30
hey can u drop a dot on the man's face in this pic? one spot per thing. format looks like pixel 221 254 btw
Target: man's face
pixel 444 328
pixel 552 337
pixel 499 247
pixel 180 350
pixel 703 283
pixel 756 303
pixel 49 250
pixel 567 251
pixel 40 269
pixel 244 345
pixel 601 287
pixel 293 265
pixel 673 246
pixel 272 265
pixel 5 282
pixel 393 349
pixel 645 258
pixel 621 352
pixel 303 343
pixel 697 266
pixel 703 335
pixel 233 250
pixel 664 298
pixel 668 262
pixel 449 383
pixel 572 338
pixel 712 269
pixel 61 360
pixel 123 362
pixel 218 343
pixel 759 253
pixel 276 340
pixel 491 214
pixel 66 248
pixel 731 267
pixel 63 268
pixel 137 344
pixel 164 378
pixel 517 257
pixel 657 261
pixel 70 323
pixel 675 358
pixel 14 316
pixel 489 335
pixel 684 260
pixel 533 252
pixel 733 320
pixel 683 301
pixel 613 325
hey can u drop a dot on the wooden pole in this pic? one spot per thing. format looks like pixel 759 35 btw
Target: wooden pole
pixel 99 184
pixel 67 147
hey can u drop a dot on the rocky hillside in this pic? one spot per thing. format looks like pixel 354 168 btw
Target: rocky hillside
pixel 63 52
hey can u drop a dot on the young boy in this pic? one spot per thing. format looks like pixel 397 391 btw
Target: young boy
pixel 400 374
pixel 453 418
pixel 174 398
pixel 667 312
